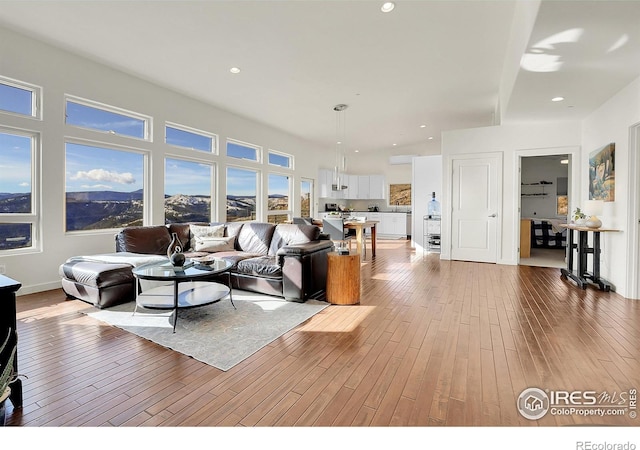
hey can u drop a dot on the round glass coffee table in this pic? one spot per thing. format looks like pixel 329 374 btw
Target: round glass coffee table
pixel 192 285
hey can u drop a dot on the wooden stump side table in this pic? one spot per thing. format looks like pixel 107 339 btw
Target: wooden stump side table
pixel 343 279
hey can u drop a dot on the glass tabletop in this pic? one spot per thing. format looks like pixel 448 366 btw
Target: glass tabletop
pixel 191 269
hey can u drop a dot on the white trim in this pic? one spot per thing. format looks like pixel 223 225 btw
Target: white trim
pixel 212 172
pixel 258 185
pixel 447 192
pixel 573 187
pixel 32 218
pixel 212 136
pixel 312 200
pixel 632 288
pixel 36 97
pixel 147 120
pixel 146 185
pixel 257 148
pixel 289 211
pixel 275 152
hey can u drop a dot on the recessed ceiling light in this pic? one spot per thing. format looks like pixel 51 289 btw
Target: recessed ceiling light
pixel 430 138
pixel 395 145
pixel 234 70
pixel 357 151
pixel 557 99
pixel 423 126
pixel 387 7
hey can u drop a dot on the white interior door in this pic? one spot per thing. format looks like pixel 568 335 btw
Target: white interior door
pixel 474 213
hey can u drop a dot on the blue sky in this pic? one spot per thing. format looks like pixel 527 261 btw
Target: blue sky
pixel 91 168
pixel 186 177
pixel 15 163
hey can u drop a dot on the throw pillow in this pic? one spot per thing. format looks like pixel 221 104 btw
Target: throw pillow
pixel 215 244
pixel 200 232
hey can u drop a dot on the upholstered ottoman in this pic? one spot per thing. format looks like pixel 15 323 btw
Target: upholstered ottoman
pixel 101 284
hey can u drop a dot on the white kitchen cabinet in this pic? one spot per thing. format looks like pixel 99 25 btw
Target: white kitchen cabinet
pixel 393 224
pixel 324 190
pixel 352 187
pixel 373 216
pixel 377 187
pixel 325 180
pixel 363 187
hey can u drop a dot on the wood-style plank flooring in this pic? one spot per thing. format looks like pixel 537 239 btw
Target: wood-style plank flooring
pixel 431 343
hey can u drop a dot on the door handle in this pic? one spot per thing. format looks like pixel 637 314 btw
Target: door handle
pixel 493 215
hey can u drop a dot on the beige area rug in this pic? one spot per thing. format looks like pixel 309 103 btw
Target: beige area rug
pixel 215 334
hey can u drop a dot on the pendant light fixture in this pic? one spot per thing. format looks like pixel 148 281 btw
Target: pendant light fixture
pixel 341 157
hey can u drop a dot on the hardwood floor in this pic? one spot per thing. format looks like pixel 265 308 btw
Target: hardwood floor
pixel 431 343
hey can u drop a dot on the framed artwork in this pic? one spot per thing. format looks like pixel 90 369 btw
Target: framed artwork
pixel 400 194
pixel 602 174
pixel 562 205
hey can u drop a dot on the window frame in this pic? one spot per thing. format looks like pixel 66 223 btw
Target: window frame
pixel 258 177
pixel 147 120
pixel 212 183
pixel 146 187
pixel 184 128
pixel 289 210
pixel 36 97
pixel 257 148
pixel 34 217
pixel 286 155
pixel 311 195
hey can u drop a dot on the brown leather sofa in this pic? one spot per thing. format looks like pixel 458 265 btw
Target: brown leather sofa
pixel 285 260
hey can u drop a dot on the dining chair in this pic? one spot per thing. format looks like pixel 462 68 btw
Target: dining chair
pixel 334 227
pixel 303 221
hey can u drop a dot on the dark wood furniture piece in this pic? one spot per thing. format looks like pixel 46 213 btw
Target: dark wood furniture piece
pixel 582 275
pixel 8 289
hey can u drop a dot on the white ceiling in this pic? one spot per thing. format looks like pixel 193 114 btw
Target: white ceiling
pixel 439 63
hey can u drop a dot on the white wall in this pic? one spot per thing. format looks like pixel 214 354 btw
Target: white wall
pixel 427 178
pixel 514 142
pixel 59 73
pixel 611 123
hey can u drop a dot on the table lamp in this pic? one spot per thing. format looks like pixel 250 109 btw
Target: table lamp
pixel 593 209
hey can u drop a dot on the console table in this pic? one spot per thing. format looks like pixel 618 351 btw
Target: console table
pixel 582 276
pixel 8 288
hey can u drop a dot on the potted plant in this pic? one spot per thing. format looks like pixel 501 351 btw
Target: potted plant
pixel 7 375
pixel 579 218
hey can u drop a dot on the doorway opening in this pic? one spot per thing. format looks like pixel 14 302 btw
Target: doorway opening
pixel 544 206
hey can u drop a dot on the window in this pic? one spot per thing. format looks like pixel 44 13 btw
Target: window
pixel 18 98
pixel 242 190
pixel 104 187
pixel 85 114
pixel 241 150
pixel 280 159
pixel 306 196
pixel 192 139
pixel 187 191
pixel 278 201
pixel 18 212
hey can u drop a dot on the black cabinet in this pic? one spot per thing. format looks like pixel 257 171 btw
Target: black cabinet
pixel 8 288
